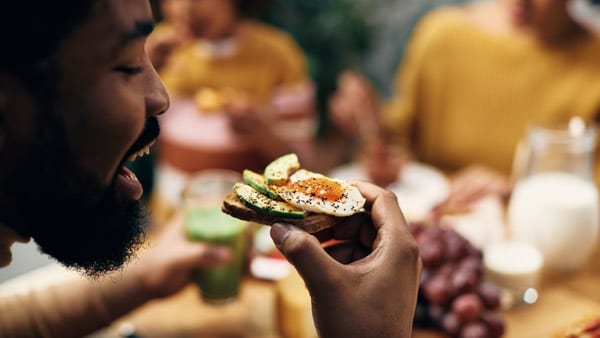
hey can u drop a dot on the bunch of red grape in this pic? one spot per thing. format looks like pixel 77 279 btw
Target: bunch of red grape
pixel 453 296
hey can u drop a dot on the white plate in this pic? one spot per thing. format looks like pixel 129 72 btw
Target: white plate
pixel 420 187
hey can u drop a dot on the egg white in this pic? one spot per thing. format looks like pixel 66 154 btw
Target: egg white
pixel 350 202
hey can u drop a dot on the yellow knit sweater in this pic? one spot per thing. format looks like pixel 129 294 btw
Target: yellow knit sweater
pixel 264 59
pixel 466 96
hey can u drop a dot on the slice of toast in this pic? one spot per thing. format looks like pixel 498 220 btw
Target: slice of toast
pixel 312 223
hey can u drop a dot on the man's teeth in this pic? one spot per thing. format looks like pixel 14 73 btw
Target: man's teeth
pixel 141 152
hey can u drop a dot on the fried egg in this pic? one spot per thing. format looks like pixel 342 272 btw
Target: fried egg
pixel 317 193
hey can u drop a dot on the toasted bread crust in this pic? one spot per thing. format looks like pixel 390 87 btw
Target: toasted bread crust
pixel 312 223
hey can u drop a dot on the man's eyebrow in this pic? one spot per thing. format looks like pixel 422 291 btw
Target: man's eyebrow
pixel 142 29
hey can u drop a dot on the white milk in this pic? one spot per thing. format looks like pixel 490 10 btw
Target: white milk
pixel 558 214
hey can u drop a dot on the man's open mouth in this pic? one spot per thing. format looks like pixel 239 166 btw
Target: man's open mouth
pixel 127 183
pixel 142 145
pixel 142 152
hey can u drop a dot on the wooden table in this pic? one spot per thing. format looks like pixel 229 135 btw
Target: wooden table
pixel 563 301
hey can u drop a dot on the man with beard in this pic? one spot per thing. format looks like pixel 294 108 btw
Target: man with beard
pixel 78 97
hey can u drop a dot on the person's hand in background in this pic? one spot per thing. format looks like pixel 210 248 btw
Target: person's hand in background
pixel 354 107
pixel 473 183
pixel 383 161
pixel 366 284
pixel 166 266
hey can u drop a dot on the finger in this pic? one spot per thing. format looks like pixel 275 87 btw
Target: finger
pixel 305 252
pixel 382 202
pixel 394 243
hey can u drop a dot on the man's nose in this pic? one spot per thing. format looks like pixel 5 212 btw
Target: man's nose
pixel 157 99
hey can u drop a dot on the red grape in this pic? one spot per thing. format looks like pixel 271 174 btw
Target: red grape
pixel 473 251
pixel 437 290
pixel 490 295
pixel 472 263
pixel 453 296
pixel 494 322
pixel 467 307
pixel 446 270
pixel 416 228
pixel 464 280
pixel 431 254
pixel 451 324
pixel 474 330
pixel 455 247
pixel 436 313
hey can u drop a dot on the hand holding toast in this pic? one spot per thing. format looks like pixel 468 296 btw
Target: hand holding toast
pixel 366 284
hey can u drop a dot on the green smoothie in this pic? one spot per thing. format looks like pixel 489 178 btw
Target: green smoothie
pixel 209 224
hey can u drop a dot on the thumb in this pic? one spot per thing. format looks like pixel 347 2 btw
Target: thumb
pixel 304 251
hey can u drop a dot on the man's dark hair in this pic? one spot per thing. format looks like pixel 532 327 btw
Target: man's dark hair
pixel 32 32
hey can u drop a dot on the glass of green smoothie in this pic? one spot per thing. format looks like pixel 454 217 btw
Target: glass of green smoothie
pixel 205 222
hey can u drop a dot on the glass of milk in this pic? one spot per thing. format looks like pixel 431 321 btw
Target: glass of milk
pixel 554 205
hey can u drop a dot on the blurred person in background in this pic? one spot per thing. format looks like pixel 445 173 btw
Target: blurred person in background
pixel 473 78
pixel 172 31
pixel 71 113
pixel 253 74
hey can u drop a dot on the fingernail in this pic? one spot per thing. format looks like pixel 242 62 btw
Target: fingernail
pixel 279 232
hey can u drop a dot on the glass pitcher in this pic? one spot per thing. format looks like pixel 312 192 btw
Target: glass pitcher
pixel 554 205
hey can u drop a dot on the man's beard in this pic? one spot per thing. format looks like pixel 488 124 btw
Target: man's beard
pixel 71 216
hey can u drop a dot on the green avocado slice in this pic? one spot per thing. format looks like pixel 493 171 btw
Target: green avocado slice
pixel 258 182
pixel 279 171
pixel 263 204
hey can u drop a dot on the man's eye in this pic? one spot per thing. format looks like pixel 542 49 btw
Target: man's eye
pixel 129 70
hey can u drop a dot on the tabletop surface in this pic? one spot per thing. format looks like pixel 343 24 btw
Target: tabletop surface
pixel 563 301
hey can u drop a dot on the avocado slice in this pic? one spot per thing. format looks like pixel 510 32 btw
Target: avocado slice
pixel 264 205
pixel 258 182
pixel 279 171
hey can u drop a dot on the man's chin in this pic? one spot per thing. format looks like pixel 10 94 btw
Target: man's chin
pixel 96 245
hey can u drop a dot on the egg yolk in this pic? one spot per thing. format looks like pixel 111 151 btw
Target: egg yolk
pixel 318 187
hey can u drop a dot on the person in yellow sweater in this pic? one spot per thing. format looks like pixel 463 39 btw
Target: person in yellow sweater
pixel 172 31
pixel 252 73
pixel 473 79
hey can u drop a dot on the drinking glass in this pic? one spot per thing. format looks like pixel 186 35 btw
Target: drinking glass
pixel 206 222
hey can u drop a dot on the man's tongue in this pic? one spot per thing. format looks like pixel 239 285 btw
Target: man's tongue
pixel 128 185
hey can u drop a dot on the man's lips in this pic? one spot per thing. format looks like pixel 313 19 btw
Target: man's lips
pixel 128 185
